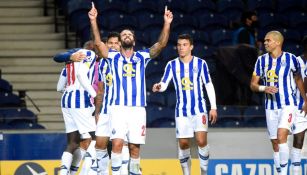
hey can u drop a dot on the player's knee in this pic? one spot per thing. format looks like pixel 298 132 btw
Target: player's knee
pixel 201 143
pixel 298 141
pixel 71 147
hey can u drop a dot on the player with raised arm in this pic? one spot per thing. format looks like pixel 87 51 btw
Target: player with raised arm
pixel 128 115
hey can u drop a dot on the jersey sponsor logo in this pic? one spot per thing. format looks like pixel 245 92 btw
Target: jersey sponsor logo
pixel 129 71
pixel 30 168
pixel 109 79
pixel 186 83
pixel 271 76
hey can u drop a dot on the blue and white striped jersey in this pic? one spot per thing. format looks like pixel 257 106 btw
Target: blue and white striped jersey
pixel 105 75
pixel 79 82
pixel 129 87
pixel 278 72
pixel 188 79
pixel 303 64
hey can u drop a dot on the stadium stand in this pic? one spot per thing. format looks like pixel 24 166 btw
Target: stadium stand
pixel 207 21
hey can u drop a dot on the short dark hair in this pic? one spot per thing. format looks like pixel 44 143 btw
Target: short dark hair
pixel 247 15
pixel 113 35
pixel 187 37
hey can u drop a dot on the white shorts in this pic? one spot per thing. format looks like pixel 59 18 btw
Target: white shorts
pixel 79 120
pixel 300 122
pixel 128 121
pixel 279 118
pixel 103 126
pixel 186 126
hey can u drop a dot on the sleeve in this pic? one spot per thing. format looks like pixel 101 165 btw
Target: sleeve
pixel 64 56
pixel 205 73
pixel 83 79
pixel 166 78
pixel 296 64
pixel 211 95
pixel 62 81
pixel 257 68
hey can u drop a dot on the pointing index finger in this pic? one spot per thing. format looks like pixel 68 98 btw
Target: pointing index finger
pixel 165 9
pixel 93 5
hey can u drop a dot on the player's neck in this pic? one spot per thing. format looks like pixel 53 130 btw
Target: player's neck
pixel 276 53
pixel 186 59
pixel 127 52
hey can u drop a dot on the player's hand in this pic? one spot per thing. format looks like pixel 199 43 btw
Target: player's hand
pixel 213 116
pixel 156 87
pixel 92 14
pixel 304 109
pixel 271 90
pixel 77 56
pixel 168 16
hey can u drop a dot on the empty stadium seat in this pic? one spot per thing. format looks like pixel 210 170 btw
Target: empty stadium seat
pixel 272 21
pixel 147 20
pixel 109 6
pixel 137 6
pixel 151 80
pixel 163 123
pixel 9 100
pixel 5 86
pixel 171 99
pixel 25 125
pixel 173 5
pixel 296 49
pixel 155 113
pixel 231 9
pixel 298 21
pixel 203 51
pixel 169 52
pixel 14 114
pixel 222 37
pixel 288 6
pixel 199 7
pixel 184 22
pixel 210 22
pixel 254 116
pixel 156 99
pixel 122 21
pixel 261 6
pixel 155 67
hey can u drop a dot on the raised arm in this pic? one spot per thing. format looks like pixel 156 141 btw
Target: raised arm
pixel 163 38
pixel 101 47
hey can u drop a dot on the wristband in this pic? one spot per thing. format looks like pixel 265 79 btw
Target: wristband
pixel 261 88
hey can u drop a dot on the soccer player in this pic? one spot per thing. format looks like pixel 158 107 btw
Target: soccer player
pixel 76 104
pixel 189 74
pixel 300 123
pixel 102 113
pixel 280 72
pixel 128 115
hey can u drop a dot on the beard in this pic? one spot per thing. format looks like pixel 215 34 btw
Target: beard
pixel 127 44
